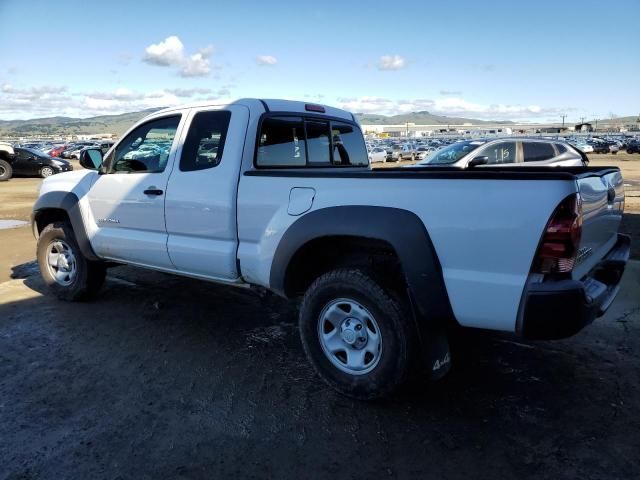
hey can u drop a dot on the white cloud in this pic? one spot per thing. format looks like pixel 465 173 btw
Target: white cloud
pixel 166 53
pixel 391 62
pixel 171 53
pixel 188 92
pixel 197 65
pixel 266 60
pixel 51 100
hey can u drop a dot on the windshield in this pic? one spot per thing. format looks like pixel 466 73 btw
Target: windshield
pixel 450 154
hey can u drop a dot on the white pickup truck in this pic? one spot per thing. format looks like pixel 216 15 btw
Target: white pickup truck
pixel 279 194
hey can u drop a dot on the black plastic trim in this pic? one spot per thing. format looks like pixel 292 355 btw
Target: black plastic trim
pixel 68 202
pixel 560 309
pixel 264 104
pixel 402 229
pixel 498 173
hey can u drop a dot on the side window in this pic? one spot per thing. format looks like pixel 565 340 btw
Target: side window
pixel 281 143
pixel 561 148
pixel 348 145
pixel 502 152
pixel 537 151
pixel 318 143
pixel 205 141
pixel 146 149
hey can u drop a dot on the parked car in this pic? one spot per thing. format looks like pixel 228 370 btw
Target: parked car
pixel 423 152
pixel 600 147
pixel 633 147
pixel 29 161
pixel 384 261
pixel 73 149
pixel 506 151
pixel 377 155
pixel 105 146
pixel 57 150
pixel 584 147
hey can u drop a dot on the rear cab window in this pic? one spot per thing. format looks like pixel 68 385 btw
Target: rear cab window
pixel 290 141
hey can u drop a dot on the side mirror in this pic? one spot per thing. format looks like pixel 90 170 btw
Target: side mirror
pixel 91 158
pixel 478 161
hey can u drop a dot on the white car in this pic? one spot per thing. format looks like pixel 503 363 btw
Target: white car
pixel 506 151
pixel 377 155
pixel 384 262
pixel 584 147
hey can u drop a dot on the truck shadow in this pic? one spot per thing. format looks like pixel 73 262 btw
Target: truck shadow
pixel 631 226
pixel 197 374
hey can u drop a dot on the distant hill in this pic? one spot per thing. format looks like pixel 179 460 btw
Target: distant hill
pixel 617 120
pixel 116 124
pixel 421 118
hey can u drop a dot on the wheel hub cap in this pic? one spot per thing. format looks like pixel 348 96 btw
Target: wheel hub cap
pixel 349 336
pixel 353 333
pixel 61 262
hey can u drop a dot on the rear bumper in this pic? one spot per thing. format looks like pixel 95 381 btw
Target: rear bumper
pixel 560 309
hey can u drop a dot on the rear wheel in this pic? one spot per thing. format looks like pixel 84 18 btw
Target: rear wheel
pixel 66 271
pixel 357 336
pixel 6 171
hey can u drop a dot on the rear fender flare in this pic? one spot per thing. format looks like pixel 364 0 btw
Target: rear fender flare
pixel 402 229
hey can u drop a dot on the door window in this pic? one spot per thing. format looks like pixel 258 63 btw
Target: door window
pixel 537 151
pixel 205 141
pixel 499 153
pixel 146 149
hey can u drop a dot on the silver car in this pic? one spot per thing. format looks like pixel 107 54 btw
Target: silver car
pixel 507 151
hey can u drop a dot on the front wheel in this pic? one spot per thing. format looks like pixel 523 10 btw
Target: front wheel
pixel 65 270
pixel 46 172
pixel 358 337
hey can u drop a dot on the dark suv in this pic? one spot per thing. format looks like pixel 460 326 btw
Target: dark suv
pixel 600 147
pixel 633 146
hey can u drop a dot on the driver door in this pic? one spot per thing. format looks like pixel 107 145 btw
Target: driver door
pixel 127 199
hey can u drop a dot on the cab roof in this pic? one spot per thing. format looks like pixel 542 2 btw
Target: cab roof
pixel 272 105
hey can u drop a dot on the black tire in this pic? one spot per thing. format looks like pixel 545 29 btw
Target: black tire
pixel 6 171
pixel 399 340
pixel 89 275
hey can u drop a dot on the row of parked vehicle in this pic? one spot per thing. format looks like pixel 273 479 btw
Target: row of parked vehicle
pixel 42 158
pixel 394 151
pixel 67 151
pixel 387 150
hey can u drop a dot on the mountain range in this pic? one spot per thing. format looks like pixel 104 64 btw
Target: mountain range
pixel 118 124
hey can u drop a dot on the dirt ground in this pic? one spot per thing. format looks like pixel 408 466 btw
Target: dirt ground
pixel 166 377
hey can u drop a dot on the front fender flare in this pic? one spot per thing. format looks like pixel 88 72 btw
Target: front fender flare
pixel 69 202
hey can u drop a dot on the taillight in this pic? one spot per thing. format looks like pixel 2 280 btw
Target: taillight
pixel 561 238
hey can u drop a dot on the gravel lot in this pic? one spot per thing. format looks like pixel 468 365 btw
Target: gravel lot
pixel 165 377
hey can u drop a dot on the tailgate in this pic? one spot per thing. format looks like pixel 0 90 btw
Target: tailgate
pixel 602 196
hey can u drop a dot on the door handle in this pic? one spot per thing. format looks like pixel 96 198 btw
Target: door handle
pixel 153 191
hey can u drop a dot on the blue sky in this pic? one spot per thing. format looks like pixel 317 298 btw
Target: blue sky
pixel 494 60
